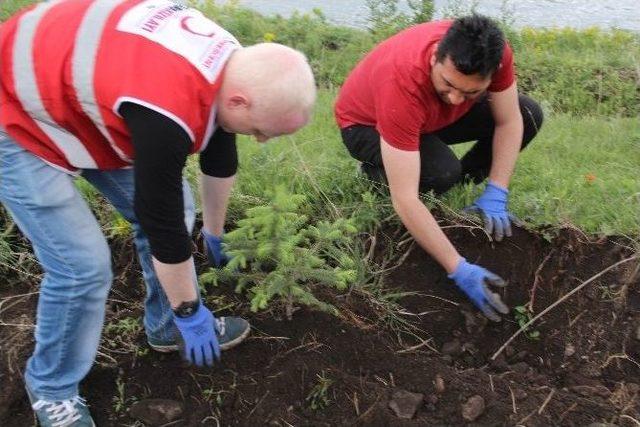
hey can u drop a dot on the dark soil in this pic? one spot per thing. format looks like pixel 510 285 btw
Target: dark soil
pixel 583 369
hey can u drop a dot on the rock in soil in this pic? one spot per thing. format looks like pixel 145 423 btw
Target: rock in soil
pixel 438 382
pixel 569 350
pixel 156 412
pixel 473 408
pixel 405 404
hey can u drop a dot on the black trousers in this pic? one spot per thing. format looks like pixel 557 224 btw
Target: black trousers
pixel 440 168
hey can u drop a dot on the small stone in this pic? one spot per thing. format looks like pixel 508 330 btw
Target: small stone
pixel 156 412
pixel 473 408
pixel 438 383
pixel 569 350
pixel 405 404
pixel 452 348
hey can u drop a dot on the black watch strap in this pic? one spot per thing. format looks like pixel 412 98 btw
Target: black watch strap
pixel 187 308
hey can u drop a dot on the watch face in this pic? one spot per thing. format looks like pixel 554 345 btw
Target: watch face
pixel 187 308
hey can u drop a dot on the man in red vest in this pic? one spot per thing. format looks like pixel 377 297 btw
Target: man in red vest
pixel 430 86
pixel 120 92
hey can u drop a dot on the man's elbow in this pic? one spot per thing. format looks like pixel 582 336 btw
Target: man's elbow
pixel 404 203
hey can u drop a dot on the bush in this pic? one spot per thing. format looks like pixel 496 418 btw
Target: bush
pixel 592 71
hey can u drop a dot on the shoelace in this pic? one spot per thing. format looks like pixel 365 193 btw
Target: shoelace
pixel 221 326
pixel 61 413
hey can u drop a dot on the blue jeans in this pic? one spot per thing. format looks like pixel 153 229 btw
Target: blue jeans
pixel 75 258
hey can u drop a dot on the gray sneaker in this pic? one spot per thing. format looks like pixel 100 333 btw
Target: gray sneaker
pixel 61 413
pixel 231 332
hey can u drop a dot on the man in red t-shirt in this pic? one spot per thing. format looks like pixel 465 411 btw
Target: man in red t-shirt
pixel 430 86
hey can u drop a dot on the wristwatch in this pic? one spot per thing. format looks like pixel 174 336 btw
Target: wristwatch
pixel 187 308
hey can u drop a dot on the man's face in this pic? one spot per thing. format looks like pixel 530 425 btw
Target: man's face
pixel 454 87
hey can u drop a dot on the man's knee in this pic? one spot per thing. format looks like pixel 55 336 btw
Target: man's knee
pixel 532 118
pixel 442 180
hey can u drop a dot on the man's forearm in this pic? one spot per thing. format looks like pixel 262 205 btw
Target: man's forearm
pixel 178 281
pixel 507 140
pixel 215 194
pixel 425 229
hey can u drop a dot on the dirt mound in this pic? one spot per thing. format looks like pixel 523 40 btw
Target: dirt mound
pixel 320 370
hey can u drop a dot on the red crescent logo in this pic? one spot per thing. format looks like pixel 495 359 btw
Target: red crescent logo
pixel 184 23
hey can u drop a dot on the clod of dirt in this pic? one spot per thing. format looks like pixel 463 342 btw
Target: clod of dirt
pixel 430 402
pixel 452 348
pixel 474 323
pixel 588 391
pixel 438 382
pixel 509 351
pixel 499 363
pixel 521 356
pixel 473 408
pixel 569 350
pixel 520 394
pixel 156 412
pixel 520 367
pixel 405 404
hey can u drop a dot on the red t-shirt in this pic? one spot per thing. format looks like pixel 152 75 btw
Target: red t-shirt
pixel 391 88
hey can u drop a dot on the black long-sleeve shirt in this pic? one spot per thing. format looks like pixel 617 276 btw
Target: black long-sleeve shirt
pixel 161 148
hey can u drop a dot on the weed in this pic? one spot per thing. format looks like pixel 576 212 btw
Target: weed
pixel 318 397
pixel 120 401
pixel 522 315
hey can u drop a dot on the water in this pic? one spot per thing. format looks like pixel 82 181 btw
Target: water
pixel 623 14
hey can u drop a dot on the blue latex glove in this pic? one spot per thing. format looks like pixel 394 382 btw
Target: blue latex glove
pixel 200 342
pixel 215 253
pixel 492 206
pixel 473 280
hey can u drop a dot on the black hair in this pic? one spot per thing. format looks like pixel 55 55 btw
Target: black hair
pixel 474 44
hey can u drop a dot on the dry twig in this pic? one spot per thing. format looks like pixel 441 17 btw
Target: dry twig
pixel 536 280
pixel 546 401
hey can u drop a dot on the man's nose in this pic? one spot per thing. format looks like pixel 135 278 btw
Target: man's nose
pixel 456 98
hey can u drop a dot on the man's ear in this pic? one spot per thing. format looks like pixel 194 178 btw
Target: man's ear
pixel 238 101
pixel 433 60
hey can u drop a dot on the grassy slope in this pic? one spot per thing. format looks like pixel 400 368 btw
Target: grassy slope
pixel 581 171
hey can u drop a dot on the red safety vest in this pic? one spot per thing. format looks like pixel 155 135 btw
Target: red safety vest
pixel 67 65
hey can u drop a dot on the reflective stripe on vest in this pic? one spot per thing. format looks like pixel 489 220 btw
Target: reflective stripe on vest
pixel 29 95
pixel 84 63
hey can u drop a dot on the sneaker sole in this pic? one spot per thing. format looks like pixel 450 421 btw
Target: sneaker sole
pixel 223 347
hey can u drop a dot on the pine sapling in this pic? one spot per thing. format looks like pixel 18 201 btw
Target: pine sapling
pixel 278 253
